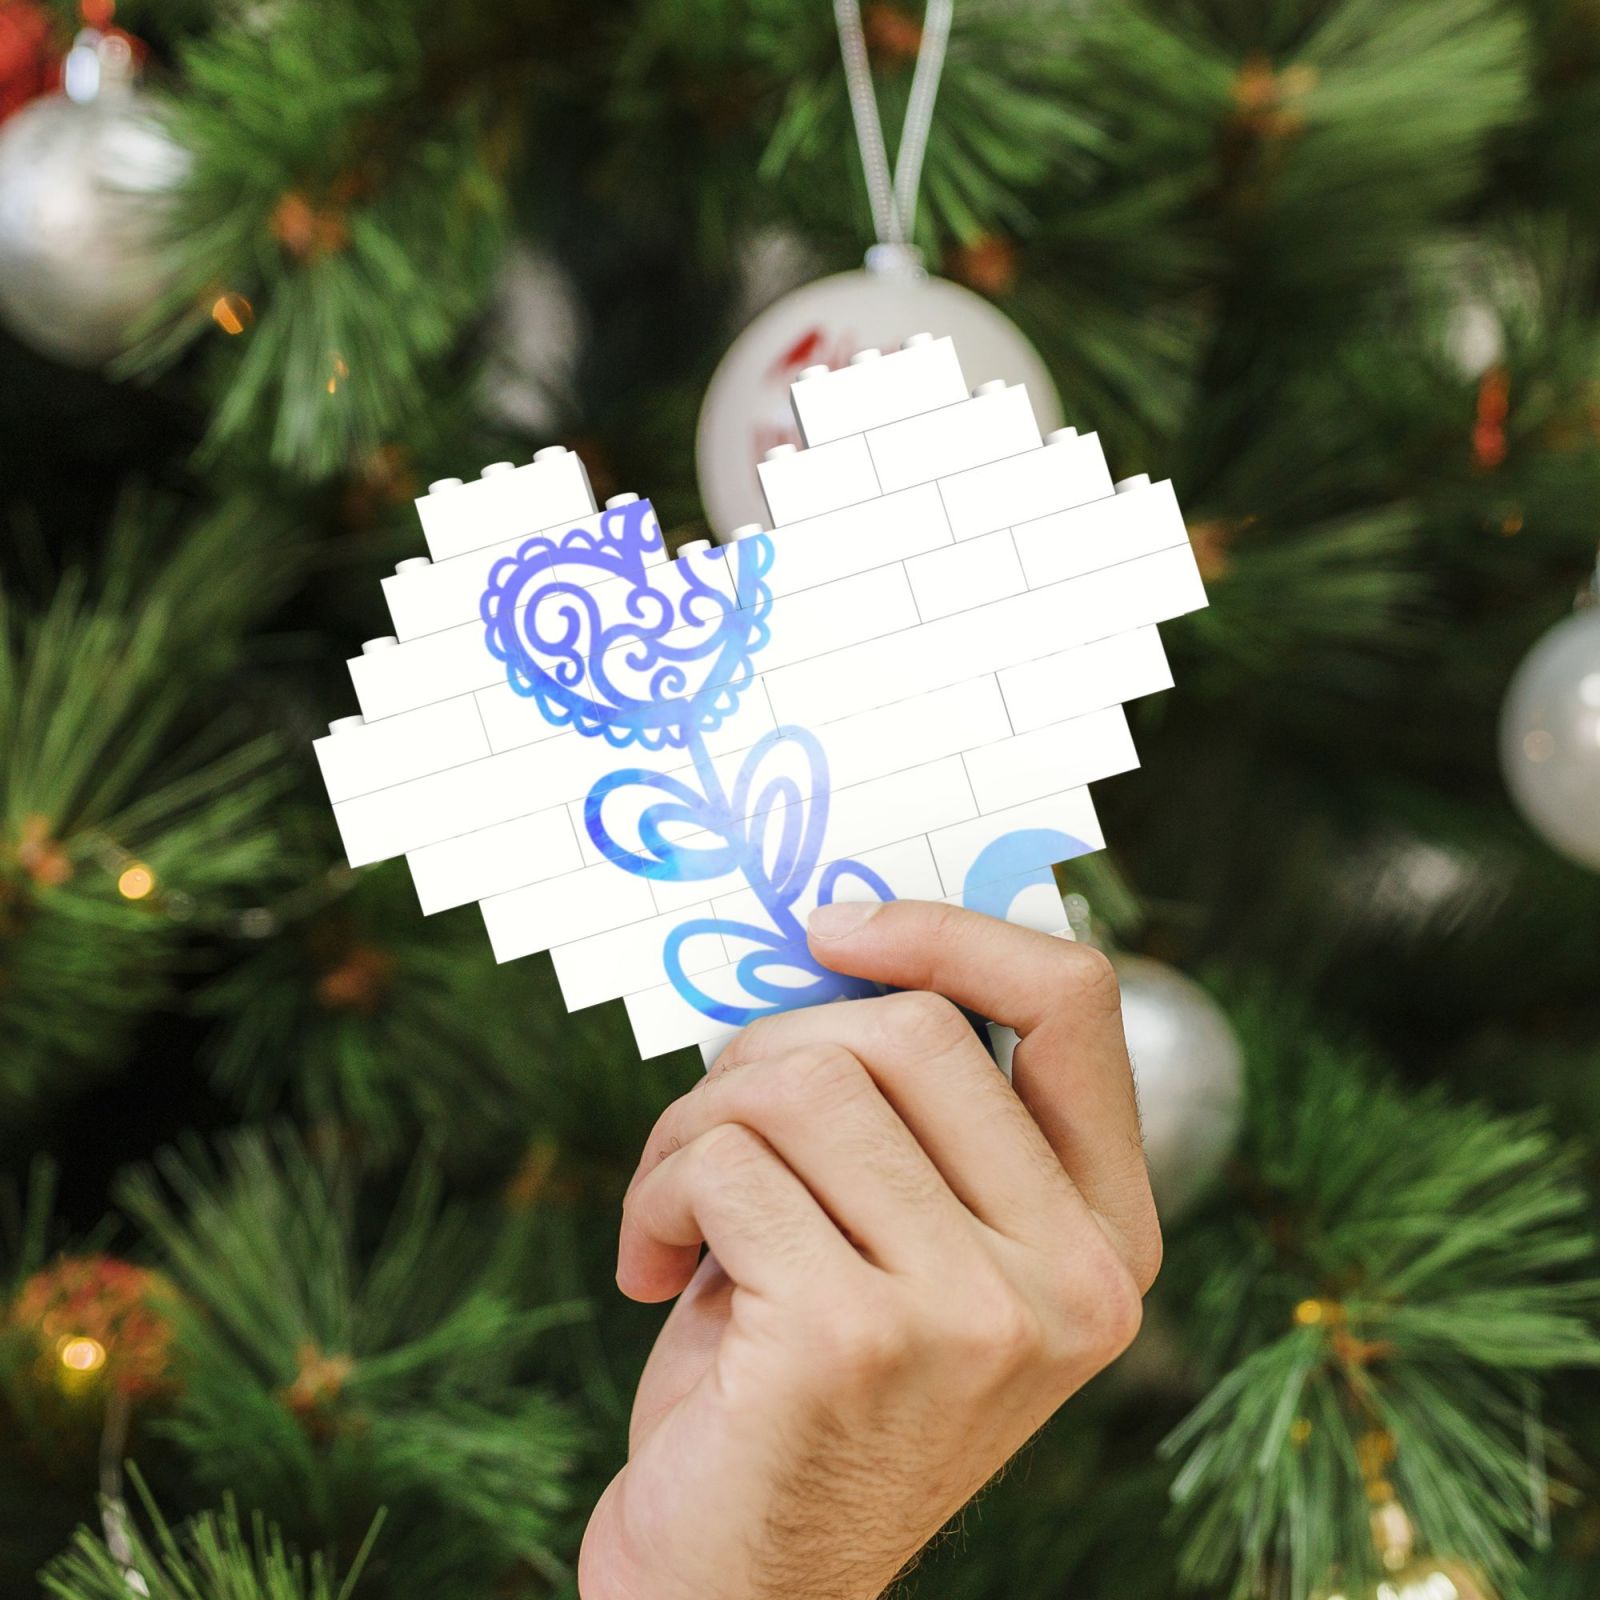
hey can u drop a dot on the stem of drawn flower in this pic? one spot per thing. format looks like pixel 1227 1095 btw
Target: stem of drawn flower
pixel 736 831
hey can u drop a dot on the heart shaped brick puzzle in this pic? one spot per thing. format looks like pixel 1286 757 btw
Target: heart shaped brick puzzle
pixel 654 767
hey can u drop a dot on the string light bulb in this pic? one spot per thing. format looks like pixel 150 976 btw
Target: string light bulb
pixel 232 313
pixel 135 881
pixel 82 1354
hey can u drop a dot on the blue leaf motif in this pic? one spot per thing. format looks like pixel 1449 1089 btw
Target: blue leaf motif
pixel 828 882
pixel 783 790
pixel 658 855
pixel 759 995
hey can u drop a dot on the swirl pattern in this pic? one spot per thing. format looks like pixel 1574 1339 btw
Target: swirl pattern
pixel 615 646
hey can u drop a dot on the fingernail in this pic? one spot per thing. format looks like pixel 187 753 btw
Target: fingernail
pixel 840 918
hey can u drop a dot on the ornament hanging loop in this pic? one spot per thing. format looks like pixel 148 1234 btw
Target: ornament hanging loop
pixel 894 201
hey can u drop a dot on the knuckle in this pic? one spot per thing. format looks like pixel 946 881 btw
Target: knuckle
pixel 1093 978
pixel 729 1153
pixel 864 1339
pixel 1107 1307
pixel 942 922
pixel 815 1077
pixel 747 1045
pixel 1015 1338
pixel 1149 1250
pixel 997 1336
pixel 928 1022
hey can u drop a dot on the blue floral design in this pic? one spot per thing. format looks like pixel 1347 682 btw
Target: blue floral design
pixel 606 636
pixel 669 667
pixel 657 654
pixel 1012 862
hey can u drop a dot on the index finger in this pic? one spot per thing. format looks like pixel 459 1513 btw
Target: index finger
pixel 1071 1067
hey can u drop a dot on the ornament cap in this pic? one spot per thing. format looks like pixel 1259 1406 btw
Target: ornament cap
pixel 98 63
pixel 896 261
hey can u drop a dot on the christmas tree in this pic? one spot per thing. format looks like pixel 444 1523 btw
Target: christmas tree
pixel 310 1206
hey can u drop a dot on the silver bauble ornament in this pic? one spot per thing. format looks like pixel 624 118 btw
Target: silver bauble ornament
pixel 1190 1076
pixel 1550 737
pixel 81 189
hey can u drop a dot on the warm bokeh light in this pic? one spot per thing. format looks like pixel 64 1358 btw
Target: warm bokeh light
pixel 136 881
pixel 82 1354
pixel 232 313
pixel 340 370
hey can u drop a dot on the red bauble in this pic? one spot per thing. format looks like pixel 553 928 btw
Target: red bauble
pixel 98 1315
pixel 29 62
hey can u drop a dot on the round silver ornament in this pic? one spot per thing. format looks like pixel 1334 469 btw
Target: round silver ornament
pixel 1190 1076
pixel 746 410
pixel 81 188
pixel 1550 737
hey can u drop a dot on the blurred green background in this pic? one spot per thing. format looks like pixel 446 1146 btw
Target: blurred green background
pixel 312 1206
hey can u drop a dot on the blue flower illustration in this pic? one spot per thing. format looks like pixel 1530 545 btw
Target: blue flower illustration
pixel 657 655
pixel 602 640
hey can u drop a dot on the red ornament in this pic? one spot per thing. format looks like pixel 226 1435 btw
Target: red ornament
pixel 1489 428
pixel 97 1315
pixel 988 264
pixel 30 64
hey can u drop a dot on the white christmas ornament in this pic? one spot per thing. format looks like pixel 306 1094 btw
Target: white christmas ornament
pixel 854 316
pixel 747 413
pixel 82 177
pixel 1550 737
pixel 1190 1077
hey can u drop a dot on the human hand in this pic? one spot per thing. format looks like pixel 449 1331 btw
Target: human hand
pixel 910 1263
